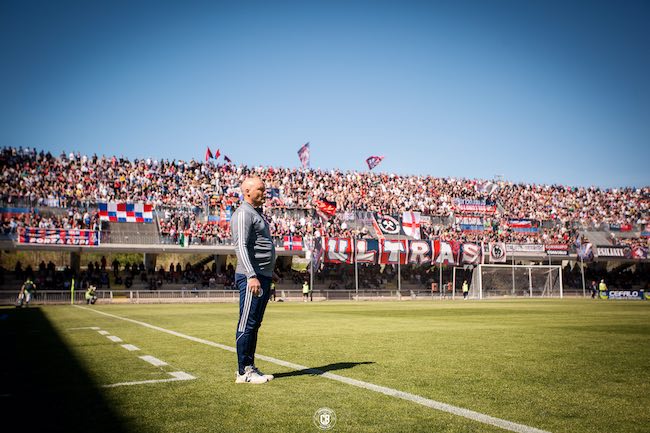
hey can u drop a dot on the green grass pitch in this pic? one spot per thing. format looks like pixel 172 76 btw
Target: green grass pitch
pixel 569 365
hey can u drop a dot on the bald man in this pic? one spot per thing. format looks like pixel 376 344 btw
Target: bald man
pixel 253 276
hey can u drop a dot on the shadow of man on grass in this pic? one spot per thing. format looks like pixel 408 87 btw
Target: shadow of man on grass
pixel 317 371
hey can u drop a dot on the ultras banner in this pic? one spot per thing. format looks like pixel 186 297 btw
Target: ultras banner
pixel 622 252
pixel 400 251
pixel 33 235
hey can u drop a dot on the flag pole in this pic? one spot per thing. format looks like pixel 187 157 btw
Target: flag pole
pixel 440 278
pixel 399 267
pixel 513 274
pixel 311 274
pixel 356 268
pixel 582 271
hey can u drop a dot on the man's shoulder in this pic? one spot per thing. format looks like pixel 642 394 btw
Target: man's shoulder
pixel 242 209
pixel 248 211
pixel 237 212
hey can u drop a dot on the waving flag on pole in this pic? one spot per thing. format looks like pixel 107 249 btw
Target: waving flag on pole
pixel 373 161
pixel 326 207
pixel 303 154
pixel 217 154
pixel 208 154
pixel 228 160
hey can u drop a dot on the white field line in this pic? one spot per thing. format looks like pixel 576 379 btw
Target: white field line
pixel 130 347
pixel 181 375
pixel 444 407
pixel 153 361
pixel 176 376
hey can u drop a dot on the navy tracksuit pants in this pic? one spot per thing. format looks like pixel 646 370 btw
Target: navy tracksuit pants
pixel 251 312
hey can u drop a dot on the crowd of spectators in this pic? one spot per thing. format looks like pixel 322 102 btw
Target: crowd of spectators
pixel 174 223
pixel 71 218
pixel 499 231
pixel 182 191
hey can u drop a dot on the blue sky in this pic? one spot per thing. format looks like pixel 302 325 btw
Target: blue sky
pixel 552 92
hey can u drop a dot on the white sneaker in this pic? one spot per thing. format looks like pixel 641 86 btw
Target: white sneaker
pixel 250 376
pixel 269 377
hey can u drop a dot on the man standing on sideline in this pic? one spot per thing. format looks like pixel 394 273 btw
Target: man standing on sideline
pixel 253 276
pixel 305 291
pixel 602 288
pixel 273 290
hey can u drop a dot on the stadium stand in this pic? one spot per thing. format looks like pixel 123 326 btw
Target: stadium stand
pixel 192 202
pixel 187 193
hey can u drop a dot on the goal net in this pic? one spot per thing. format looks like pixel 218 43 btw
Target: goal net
pixel 490 280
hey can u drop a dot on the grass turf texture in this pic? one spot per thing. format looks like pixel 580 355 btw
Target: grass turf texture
pixel 558 365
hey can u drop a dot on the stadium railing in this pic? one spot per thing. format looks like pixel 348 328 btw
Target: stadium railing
pixel 54 297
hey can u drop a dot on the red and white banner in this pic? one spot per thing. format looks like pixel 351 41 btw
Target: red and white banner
pixel 473 206
pixel 293 243
pixel 338 250
pixel 471 254
pixel 367 250
pixel 126 212
pixel 411 224
pixel 396 251
pixel 557 249
pixel 444 253
pixel 392 251
pixel 34 235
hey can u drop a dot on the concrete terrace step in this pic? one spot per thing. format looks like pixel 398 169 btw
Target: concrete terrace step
pixel 598 238
pixel 128 233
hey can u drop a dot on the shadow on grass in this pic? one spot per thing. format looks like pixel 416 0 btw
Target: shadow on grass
pixel 43 386
pixel 317 371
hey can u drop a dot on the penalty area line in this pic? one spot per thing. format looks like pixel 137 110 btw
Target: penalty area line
pixel 423 401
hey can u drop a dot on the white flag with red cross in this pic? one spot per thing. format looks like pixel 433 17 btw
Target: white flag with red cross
pixel 411 224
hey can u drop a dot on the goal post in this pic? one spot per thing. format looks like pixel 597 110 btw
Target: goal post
pixel 492 280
